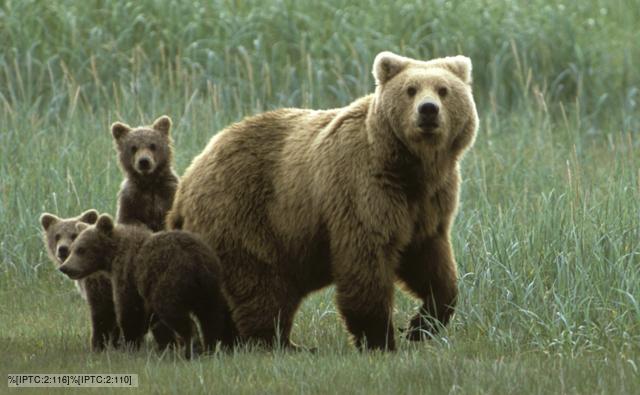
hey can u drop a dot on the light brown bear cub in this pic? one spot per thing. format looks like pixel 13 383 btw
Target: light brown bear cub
pixel 362 196
pixel 164 276
pixel 145 154
pixel 58 234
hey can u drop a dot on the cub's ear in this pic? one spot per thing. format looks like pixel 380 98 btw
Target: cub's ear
pixel 80 226
pixel 162 124
pixel 119 130
pixel 105 223
pixel 387 65
pixel 459 65
pixel 46 220
pixel 89 216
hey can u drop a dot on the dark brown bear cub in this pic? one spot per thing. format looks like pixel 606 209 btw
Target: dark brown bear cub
pixel 145 155
pixel 58 234
pixel 164 276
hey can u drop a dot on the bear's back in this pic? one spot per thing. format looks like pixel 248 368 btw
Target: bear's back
pixel 175 261
pixel 237 174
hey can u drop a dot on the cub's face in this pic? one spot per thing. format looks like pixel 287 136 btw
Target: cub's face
pixel 90 252
pixel 427 104
pixel 59 233
pixel 143 150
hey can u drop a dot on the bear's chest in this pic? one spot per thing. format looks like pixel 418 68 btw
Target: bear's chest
pixel 151 209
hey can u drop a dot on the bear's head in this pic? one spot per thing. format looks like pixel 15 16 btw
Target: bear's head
pixel 59 233
pixel 146 149
pixel 426 104
pixel 92 251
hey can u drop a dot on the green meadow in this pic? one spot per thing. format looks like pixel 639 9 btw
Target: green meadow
pixel 547 237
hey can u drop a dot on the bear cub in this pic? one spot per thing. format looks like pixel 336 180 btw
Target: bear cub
pixel 145 154
pixel 59 233
pixel 164 276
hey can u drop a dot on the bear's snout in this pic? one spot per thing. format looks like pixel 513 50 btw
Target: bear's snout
pixel 144 164
pixel 428 112
pixel 63 252
pixel 69 272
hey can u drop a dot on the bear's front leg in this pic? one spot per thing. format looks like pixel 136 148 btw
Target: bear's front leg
pixel 132 317
pixel 364 285
pixel 133 329
pixel 102 321
pixel 104 326
pixel 428 269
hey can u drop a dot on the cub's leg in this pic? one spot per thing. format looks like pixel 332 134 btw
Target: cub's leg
pixel 104 326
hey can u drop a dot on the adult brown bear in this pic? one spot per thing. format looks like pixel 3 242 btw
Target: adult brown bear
pixel 294 200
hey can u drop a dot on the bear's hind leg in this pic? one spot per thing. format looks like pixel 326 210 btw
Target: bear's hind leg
pixel 162 334
pixel 263 303
pixel 428 269
pixel 182 326
pixel 212 324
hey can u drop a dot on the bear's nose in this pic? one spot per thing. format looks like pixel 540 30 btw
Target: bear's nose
pixel 144 164
pixel 63 252
pixel 428 108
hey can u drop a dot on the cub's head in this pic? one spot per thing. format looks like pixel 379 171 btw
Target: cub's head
pixel 92 250
pixel 426 104
pixel 146 149
pixel 59 233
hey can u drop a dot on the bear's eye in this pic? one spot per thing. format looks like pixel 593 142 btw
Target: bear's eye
pixel 73 236
pixel 57 237
pixel 443 91
pixel 411 91
pixel 134 149
pixel 152 147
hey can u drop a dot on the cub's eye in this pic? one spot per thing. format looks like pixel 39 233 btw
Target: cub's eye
pixel 411 91
pixel 152 147
pixel 73 236
pixel 58 237
pixel 80 250
pixel 443 91
pixel 134 149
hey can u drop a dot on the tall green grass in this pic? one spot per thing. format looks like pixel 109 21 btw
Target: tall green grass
pixel 547 237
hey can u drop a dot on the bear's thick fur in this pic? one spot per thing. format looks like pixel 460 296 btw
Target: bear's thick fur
pixel 145 154
pixel 361 196
pixel 58 234
pixel 164 276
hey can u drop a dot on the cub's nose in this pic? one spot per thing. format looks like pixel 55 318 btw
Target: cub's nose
pixel 144 164
pixel 428 109
pixel 63 252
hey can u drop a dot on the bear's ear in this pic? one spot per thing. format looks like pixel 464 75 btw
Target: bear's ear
pixel 89 216
pixel 387 65
pixel 105 224
pixel 119 130
pixel 458 65
pixel 162 124
pixel 80 226
pixel 46 220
